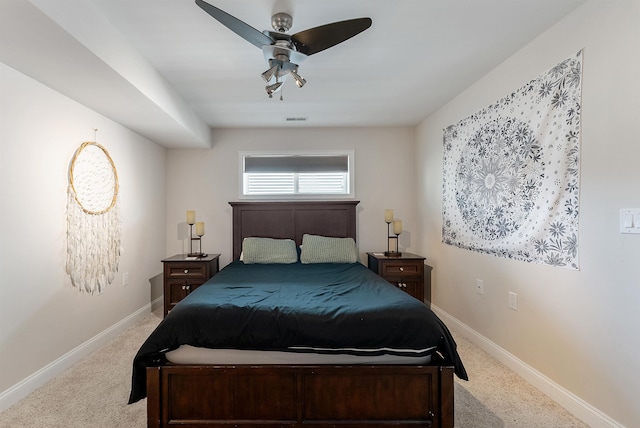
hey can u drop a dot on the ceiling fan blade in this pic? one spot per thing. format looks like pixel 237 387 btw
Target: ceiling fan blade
pixel 317 39
pixel 242 29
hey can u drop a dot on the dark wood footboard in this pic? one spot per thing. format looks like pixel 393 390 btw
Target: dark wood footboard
pixel 292 396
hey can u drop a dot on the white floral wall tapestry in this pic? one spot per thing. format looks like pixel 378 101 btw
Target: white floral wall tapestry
pixel 511 173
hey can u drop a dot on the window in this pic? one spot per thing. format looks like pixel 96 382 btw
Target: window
pixel 297 174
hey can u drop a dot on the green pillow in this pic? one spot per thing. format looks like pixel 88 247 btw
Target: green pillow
pixel 323 249
pixel 268 250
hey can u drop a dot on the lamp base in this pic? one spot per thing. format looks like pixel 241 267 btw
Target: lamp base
pixel 392 253
pixel 197 255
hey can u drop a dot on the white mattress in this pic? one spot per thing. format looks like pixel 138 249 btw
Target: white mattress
pixel 187 354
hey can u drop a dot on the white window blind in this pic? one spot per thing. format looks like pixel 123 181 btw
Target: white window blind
pixel 293 175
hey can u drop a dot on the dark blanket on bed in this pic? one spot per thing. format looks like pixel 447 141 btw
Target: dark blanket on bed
pixel 282 307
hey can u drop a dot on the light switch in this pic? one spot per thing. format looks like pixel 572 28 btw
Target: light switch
pixel 630 220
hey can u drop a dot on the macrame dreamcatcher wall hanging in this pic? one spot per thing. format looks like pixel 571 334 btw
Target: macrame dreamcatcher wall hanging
pixel 93 220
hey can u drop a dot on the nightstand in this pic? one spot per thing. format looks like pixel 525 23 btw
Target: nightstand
pixel 407 272
pixel 184 274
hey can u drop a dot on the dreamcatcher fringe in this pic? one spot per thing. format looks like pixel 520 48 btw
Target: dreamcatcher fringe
pixel 93 246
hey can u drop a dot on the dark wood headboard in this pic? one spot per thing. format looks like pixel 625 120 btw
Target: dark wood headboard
pixel 292 220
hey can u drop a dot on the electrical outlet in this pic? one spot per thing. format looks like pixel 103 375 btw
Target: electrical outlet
pixel 479 286
pixel 125 279
pixel 513 300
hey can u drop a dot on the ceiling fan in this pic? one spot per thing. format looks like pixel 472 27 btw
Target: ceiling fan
pixel 285 52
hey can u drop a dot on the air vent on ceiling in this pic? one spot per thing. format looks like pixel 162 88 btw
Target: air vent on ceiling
pixel 296 119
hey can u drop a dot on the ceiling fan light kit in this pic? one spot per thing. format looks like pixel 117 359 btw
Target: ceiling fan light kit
pixel 300 81
pixel 284 52
pixel 267 75
pixel 273 88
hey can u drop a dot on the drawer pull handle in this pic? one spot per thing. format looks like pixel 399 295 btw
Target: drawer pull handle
pixel 186 271
pixel 186 287
pixel 401 269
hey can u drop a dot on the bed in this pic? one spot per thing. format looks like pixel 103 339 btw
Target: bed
pixel 378 377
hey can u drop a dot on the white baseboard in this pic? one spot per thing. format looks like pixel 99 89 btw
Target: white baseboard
pixel 23 388
pixel 565 398
pixel 157 303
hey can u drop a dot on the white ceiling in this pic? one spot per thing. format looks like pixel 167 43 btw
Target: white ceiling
pixel 169 71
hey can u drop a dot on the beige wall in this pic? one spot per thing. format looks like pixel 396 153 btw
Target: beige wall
pixel 206 180
pixel 43 318
pixel 577 328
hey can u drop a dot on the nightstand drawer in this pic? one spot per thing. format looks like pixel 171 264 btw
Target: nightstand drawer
pixel 186 270
pixel 401 268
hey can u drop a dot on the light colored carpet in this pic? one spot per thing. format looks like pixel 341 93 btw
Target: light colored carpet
pixel 94 393
pixel 496 397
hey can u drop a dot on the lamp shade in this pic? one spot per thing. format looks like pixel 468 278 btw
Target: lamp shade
pixel 191 217
pixel 268 75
